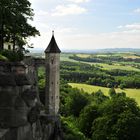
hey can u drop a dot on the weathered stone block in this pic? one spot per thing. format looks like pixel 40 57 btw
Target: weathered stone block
pixel 13 111
pixel 29 96
pixel 7 79
pixel 21 80
pixel 19 113
pixel 20 133
pixel 24 133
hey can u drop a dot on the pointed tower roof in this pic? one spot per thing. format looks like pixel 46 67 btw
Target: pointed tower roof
pixel 52 47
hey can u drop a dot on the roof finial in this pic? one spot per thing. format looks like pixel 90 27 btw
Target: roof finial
pixel 52 32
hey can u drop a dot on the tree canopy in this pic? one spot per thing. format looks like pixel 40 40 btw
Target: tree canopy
pixel 14 26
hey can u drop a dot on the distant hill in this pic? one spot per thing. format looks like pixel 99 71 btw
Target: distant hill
pixel 107 50
pixel 121 50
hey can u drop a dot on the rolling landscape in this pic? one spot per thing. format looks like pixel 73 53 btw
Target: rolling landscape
pixel 130 63
pixel 90 81
pixel 69 70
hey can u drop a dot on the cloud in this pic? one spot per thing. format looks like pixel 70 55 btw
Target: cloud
pixel 78 1
pixel 67 41
pixel 42 13
pixel 130 27
pixel 71 9
pixel 137 10
pixel 103 40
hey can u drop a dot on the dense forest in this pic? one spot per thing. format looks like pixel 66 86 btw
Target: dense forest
pixel 96 116
pixel 102 59
pixel 90 74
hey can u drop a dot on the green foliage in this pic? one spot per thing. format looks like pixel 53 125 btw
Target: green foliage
pixel 12 55
pixel 86 118
pixel 108 59
pixel 41 84
pixel 70 131
pixel 41 78
pixel 73 101
pixel 112 92
pixel 3 58
pixel 103 118
pixel 132 93
pixel 120 120
pixel 122 86
pixel 14 22
pixel 93 75
pixel 95 115
pixel 99 97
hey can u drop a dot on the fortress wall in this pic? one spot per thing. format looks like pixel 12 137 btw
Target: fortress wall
pixel 17 98
pixel 20 115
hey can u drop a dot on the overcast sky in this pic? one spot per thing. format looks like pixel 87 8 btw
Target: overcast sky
pixel 87 24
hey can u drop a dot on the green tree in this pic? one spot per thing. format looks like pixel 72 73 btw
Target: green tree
pixel 76 102
pixel 112 92
pixel 14 26
pixel 98 97
pixel 120 120
pixel 86 118
pixel 70 130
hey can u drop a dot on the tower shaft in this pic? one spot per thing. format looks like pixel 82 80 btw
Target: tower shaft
pixel 52 83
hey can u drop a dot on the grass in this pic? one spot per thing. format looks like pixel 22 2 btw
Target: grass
pixel 65 57
pixel 83 55
pixel 105 66
pixel 116 66
pixel 133 93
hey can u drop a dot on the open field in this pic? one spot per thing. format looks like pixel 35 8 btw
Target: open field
pixel 124 55
pixel 133 93
pixel 83 55
pixel 116 66
pixel 65 57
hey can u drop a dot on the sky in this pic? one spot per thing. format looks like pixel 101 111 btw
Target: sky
pixel 87 24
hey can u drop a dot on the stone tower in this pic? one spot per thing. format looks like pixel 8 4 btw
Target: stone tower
pixel 52 57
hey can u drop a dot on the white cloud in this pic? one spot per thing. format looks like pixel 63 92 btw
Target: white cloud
pixel 104 40
pixel 79 1
pixel 71 9
pixel 130 27
pixel 42 13
pixel 137 10
pixel 68 41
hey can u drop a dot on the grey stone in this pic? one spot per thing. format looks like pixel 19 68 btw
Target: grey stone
pixel 21 80
pixel 7 79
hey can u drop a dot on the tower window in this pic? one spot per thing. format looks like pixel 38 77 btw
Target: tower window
pixel 52 60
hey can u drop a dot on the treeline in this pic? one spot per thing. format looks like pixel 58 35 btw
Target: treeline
pixel 98 117
pixel 90 74
pixel 101 59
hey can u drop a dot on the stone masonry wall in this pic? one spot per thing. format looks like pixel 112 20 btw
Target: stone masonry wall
pixel 21 117
pixel 17 98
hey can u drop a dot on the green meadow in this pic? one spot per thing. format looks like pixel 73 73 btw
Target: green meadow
pixel 65 57
pixel 133 93
pixel 120 65
pixel 116 66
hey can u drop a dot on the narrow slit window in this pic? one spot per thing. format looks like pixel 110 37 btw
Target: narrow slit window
pixel 52 60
